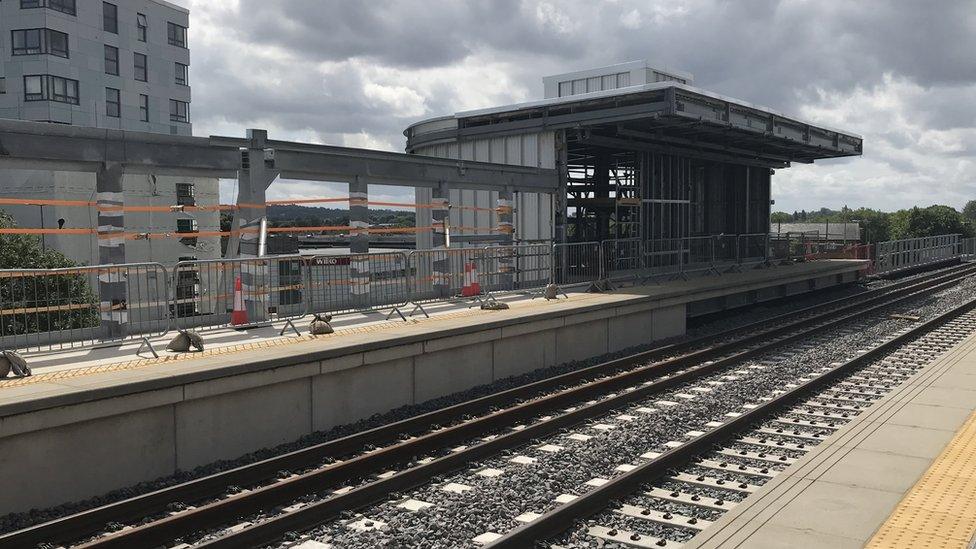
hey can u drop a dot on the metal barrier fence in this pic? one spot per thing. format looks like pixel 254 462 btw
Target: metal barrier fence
pixel 967 247
pixel 61 308
pixel 896 255
pixel 261 290
pixel 576 263
pixel 339 284
pixel 56 309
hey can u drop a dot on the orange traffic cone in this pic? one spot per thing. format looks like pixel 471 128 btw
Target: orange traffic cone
pixel 239 316
pixel 471 286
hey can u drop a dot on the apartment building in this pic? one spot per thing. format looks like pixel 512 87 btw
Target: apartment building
pixel 118 65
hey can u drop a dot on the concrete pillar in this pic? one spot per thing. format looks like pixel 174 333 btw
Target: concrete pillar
pixel 440 212
pixel 359 270
pixel 111 250
pixel 254 178
pixel 506 228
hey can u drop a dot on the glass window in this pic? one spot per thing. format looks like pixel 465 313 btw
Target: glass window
pixel 57 43
pixel 113 103
pixel 141 68
pixel 179 111
pixel 176 34
pixel 181 74
pixel 186 225
pixel 111 60
pixel 64 6
pixel 141 27
pixel 26 41
pixel 184 194
pixel 38 41
pixel 565 88
pixel 33 88
pixel 44 87
pixel 144 108
pixel 3 85
pixel 110 18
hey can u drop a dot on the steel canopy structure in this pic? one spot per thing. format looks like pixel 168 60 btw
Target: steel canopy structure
pixel 648 161
pixel 678 116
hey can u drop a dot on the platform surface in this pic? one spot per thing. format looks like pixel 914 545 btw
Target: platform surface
pixel 901 475
pixel 74 374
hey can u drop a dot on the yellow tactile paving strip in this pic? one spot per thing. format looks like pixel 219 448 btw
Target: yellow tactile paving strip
pixel 223 350
pixel 940 510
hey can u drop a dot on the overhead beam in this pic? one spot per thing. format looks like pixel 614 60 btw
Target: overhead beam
pixel 43 146
pixel 627 144
pixel 698 144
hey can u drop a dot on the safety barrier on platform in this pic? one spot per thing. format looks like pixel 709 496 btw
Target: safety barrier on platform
pixel 71 308
pixel 576 263
pixel 239 293
pixel 349 283
pixel 80 307
pixel 896 255
pixel 640 260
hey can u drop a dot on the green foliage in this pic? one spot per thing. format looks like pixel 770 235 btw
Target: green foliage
pixel 969 211
pixel 305 216
pixel 23 297
pixel 880 226
pixel 931 221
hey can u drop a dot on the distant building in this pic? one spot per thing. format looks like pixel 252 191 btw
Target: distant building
pixel 827 232
pixel 114 65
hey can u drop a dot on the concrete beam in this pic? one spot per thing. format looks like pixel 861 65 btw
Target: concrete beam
pixel 38 145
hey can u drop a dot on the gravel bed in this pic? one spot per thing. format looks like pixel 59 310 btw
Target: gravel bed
pixel 717 324
pixel 494 503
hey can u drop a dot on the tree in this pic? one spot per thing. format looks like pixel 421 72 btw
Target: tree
pixel 932 221
pixel 779 217
pixel 41 303
pixel 969 211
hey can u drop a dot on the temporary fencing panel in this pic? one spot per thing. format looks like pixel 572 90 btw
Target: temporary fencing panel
pixel 207 293
pixel 914 252
pixel 510 268
pixel 50 309
pixel 382 281
pixel 575 263
pixel 439 274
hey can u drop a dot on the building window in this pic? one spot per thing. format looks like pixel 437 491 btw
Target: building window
pixel 113 103
pixel 179 111
pixel 38 41
pixel 176 34
pixel 141 66
pixel 144 108
pixel 64 6
pixel 142 26
pixel 44 87
pixel 184 194
pixel 3 85
pixel 188 226
pixel 110 18
pixel 111 60
pixel 181 74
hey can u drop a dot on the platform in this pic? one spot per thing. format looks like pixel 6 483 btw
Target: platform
pixel 138 419
pixel 901 475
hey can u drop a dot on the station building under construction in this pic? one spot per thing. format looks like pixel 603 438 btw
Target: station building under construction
pixel 640 152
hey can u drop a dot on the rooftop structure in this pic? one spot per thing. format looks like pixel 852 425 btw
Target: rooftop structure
pixel 641 152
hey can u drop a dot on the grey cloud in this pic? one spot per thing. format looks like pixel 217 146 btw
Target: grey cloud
pixel 782 54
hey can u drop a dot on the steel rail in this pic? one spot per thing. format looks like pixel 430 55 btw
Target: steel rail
pixel 269 530
pixel 88 522
pixel 561 518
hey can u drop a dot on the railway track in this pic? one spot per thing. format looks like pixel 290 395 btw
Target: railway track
pixel 268 495
pixel 681 489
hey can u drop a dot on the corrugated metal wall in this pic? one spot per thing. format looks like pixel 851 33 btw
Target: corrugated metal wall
pixel 533 217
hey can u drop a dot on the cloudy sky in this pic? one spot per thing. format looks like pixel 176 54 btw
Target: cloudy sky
pixel 902 73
